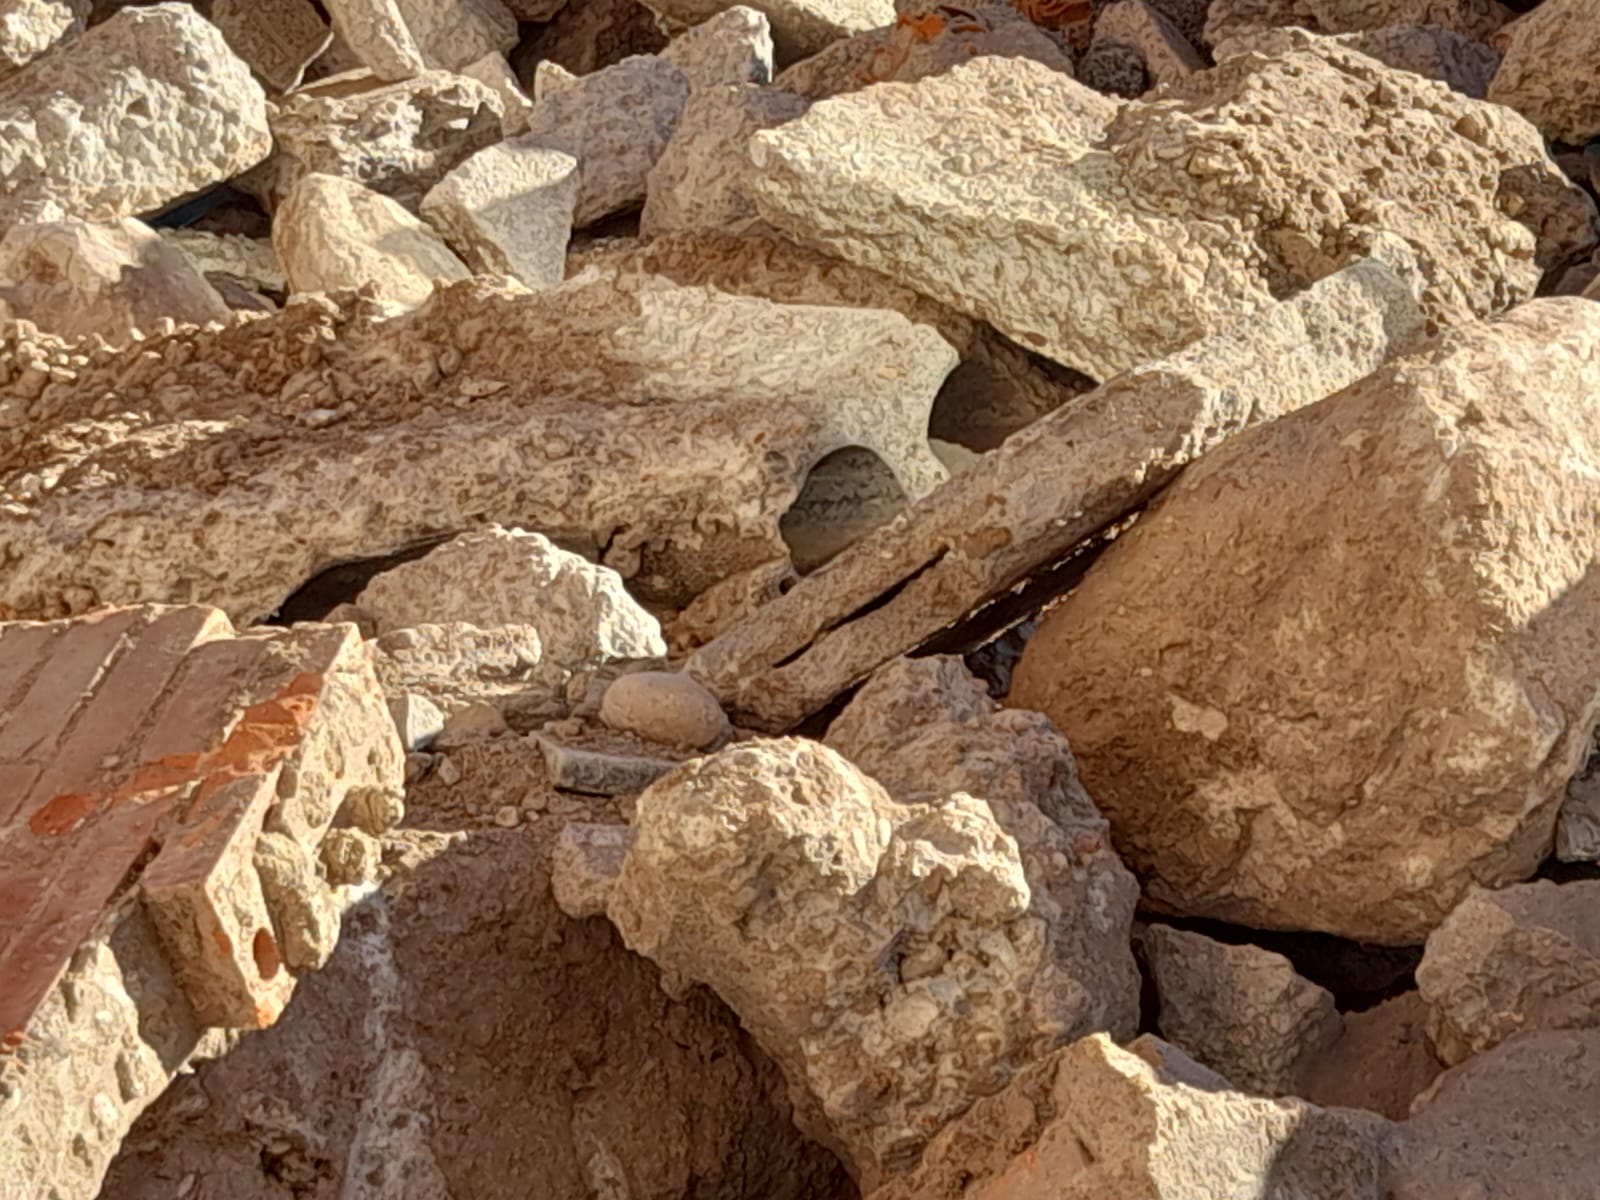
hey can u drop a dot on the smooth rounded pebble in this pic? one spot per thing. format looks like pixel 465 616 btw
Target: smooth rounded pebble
pixel 663 706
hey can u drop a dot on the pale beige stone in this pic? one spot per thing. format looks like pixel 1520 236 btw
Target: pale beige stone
pixel 495 73
pixel 663 706
pixel 734 46
pixel 1426 656
pixel 278 38
pixel 375 31
pixel 1477 19
pixel 334 235
pixel 1167 56
pixel 508 210
pixel 143 110
pixel 1547 69
pixel 28 28
pixel 799 27
pixel 74 278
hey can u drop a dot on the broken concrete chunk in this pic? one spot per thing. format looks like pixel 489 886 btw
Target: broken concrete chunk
pixel 304 915
pixel 28 28
pixel 665 707
pixel 417 719
pixel 398 139
pixel 595 773
pixel 495 73
pixel 696 181
pixel 1476 19
pixel 1518 1122
pixel 375 31
pixel 1037 157
pixel 734 46
pixel 1093 1121
pixel 141 111
pixel 585 865
pixel 799 27
pixel 278 38
pixel 73 279
pixel 250 261
pixel 581 393
pixel 1166 56
pixel 496 577
pixel 1241 1010
pixel 1454 661
pixel 454 33
pixel 333 235
pixel 616 123
pixel 1524 957
pixel 904 52
pixel 508 210
pixel 857 938
pixel 456 665
pixel 350 857
pixel 1547 70
pixel 1047 489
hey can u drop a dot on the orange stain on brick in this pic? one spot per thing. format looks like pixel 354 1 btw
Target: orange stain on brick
pixel 62 814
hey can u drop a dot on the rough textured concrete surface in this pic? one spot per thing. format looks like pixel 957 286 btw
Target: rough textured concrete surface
pixel 278 38
pixel 1431 51
pixel 76 278
pixel 799 27
pixel 231 474
pixel 1477 19
pixel 735 46
pixel 334 235
pixel 616 123
pixel 1547 69
pixel 899 957
pixel 496 577
pixel 28 28
pixel 1334 581
pixel 146 751
pixel 398 139
pixel 1047 489
pixel 1002 185
pixel 508 210
pixel 142 111
pixel 1525 957
pixel 1240 1010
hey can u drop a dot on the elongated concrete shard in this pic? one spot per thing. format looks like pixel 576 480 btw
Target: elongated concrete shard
pixel 661 430
pixel 145 109
pixel 1047 489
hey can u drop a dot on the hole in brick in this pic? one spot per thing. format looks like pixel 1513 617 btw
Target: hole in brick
pixel 265 949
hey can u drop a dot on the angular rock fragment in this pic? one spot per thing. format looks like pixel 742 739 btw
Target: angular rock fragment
pixel 1547 70
pixel 890 957
pixel 1440 659
pixel 1521 1122
pixel 911 50
pixel 303 910
pixel 250 262
pixel 143 110
pixel 595 773
pixel 1578 825
pixel 73 279
pixel 508 210
pixel 1476 19
pixel 584 868
pixel 1166 56
pixel 28 28
pixel 494 72
pixel 451 34
pixel 148 752
pixel 938 183
pixel 695 182
pixel 1524 957
pixel 1240 1010
pixel 375 31
pixel 735 46
pixel 1381 1061
pixel 616 123
pixel 398 139
pixel 499 577
pixel 454 666
pixel 334 235
pixel 230 461
pixel 1047 489
pixel 1093 1121
pixel 278 38
pixel 799 27
pixel 1427 50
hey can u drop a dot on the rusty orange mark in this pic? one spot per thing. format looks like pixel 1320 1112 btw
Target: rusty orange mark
pixel 924 27
pixel 62 814
pixel 223 941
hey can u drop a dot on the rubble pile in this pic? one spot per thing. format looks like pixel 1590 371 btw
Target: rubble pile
pixel 802 600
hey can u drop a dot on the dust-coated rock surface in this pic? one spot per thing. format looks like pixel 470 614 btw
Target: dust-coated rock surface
pixel 231 475
pixel 75 278
pixel 334 235
pixel 508 210
pixel 664 706
pixel 1240 1010
pixel 616 123
pixel 799 27
pixel 398 138
pixel 1477 19
pixel 735 46
pixel 30 27
pixel 143 110
pixel 497 577
pixel 1318 686
pixel 1547 69
pixel 1002 186
pixel 1525 957
pixel 898 957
